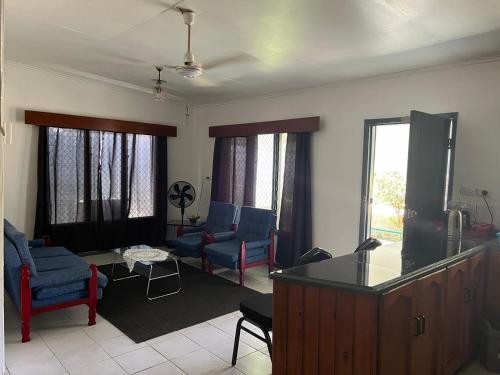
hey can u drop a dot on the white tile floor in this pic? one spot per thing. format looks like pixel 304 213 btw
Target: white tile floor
pixel 62 343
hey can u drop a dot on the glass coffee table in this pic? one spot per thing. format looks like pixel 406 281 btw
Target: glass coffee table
pixel 151 270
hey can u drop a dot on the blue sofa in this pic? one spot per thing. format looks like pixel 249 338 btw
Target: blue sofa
pixel 190 241
pixel 39 278
pixel 251 245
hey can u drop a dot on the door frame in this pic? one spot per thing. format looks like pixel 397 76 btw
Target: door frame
pixel 367 165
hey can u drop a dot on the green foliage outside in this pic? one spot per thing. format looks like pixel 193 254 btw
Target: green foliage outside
pixel 389 188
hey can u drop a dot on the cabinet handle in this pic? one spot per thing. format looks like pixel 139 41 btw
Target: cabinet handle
pixel 418 320
pixel 422 324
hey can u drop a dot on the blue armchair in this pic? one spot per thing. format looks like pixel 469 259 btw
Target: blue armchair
pixel 251 245
pixel 40 279
pixel 190 241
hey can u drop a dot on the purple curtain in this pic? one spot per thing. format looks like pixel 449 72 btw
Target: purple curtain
pixel 234 170
pixel 295 226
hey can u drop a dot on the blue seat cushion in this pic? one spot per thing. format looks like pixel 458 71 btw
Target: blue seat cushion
pixel 227 253
pixel 45 252
pixel 188 244
pixel 43 292
pixel 64 298
pixel 58 262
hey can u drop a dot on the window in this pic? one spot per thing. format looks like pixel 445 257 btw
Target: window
pixel 100 175
pixel 270 170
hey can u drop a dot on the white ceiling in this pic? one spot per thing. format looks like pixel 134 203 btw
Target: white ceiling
pixel 286 44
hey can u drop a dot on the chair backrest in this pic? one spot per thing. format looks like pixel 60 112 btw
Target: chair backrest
pixel 221 217
pixel 368 244
pixel 20 242
pixel 315 255
pixel 12 271
pixel 255 224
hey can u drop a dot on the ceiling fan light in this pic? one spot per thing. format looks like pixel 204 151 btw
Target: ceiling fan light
pixel 189 71
pixel 158 94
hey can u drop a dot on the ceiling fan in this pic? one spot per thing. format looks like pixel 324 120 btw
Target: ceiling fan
pixel 158 91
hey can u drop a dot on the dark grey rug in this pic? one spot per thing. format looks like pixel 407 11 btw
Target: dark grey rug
pixel 202 297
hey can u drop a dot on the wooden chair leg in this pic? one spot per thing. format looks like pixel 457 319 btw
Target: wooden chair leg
pixel 25 304
pixel 92 294
pixel 271 252
pixel 210 268
pixel 243 256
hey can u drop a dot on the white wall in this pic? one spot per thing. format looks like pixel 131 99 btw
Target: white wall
pixel 36 89
pixel 471 90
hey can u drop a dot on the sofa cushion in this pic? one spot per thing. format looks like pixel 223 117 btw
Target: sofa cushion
pixel 58 290
pixel 63 298
pixel 45 252
pixel 59 262
pixel 190 242
pixel 12 271
pixel 20 243
pixel 229 251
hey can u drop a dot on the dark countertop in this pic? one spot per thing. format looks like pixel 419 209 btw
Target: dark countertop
pixel 373 271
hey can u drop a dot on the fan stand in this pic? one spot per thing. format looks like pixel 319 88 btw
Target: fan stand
pixel 182 215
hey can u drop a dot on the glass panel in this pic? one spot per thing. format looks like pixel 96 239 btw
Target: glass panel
pixel 105 174
pixel 388 188
pixel 141 174
pixel 66 171
pixel 265 160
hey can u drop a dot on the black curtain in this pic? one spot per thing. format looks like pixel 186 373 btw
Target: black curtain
pixel 234 171
pixel 295 224
pixel 100 190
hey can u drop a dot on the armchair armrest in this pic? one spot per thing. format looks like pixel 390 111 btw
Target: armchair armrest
pixel 220 237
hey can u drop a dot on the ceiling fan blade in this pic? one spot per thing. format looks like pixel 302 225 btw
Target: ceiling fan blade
pixel 240 58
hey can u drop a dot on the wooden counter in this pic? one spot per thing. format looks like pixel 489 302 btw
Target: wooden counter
pixel 424 321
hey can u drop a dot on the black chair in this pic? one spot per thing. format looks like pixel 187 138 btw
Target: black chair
pixel 259 310
pixel 368 244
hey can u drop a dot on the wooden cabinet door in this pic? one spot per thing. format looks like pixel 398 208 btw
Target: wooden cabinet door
pixel 492 301
pixel 397 328
pixel 477 271
pixel 427 347
pixel 455 316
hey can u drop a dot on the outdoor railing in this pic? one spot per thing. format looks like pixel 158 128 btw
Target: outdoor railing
pixel 387 234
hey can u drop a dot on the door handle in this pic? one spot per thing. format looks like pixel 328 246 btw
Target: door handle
pixel 419 325
pixel 422 324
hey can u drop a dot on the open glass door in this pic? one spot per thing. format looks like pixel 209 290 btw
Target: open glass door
pixel 428 185
pixel 407 171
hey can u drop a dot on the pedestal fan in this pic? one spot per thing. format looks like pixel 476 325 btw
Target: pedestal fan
pixel 181 194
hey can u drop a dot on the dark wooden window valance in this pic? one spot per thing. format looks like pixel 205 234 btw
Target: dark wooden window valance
pixel 297 125
pixel 59 120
